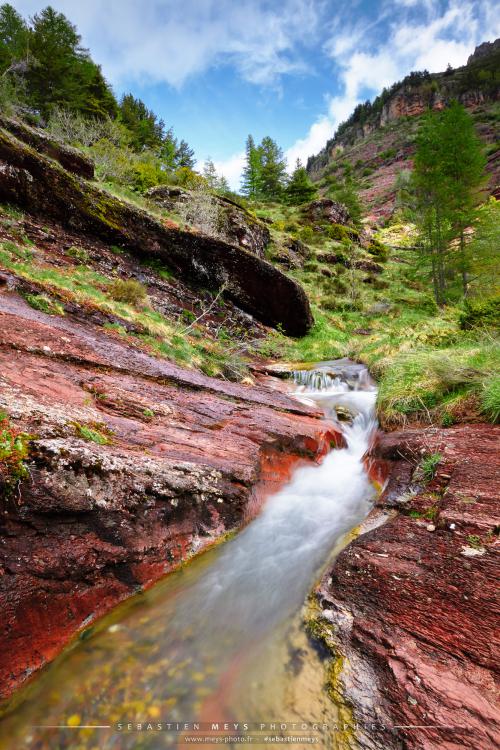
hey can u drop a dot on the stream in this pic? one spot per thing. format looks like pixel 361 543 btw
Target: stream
pixel 222 639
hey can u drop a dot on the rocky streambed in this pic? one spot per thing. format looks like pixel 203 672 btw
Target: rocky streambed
pixel 407 611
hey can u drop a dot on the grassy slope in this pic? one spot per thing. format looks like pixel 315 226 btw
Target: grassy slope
pixel 429 369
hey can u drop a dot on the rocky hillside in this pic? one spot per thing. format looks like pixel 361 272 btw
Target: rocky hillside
pixel 376 142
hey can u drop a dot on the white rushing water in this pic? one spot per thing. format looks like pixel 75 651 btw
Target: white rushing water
pixel 267 571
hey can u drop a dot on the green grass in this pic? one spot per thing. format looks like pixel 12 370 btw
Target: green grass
pixel 428 465
pixel 160 335
pixel 428 367
pixel 91 434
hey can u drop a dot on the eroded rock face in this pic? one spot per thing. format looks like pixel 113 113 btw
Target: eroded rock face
pixel 413 602
pixel 41 186
pixel 237 226
pixel 189 458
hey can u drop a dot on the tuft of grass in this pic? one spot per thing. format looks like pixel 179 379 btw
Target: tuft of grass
pixel 129 291
pixel 91 434
pixel 428 465
pixel 79 253
pixel 490 398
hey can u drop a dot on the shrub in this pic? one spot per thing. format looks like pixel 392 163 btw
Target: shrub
pixel 14 448
pixel 128 290
pixel 339 232
pixel 377 249
pixel 480 313
pixel 91 434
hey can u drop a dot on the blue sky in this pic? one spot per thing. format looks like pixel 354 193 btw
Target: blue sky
pixel 217 70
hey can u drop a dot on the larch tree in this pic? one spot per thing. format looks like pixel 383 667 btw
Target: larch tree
pixel 300 188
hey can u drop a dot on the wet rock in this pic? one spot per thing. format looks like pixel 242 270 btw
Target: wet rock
pixel 43 187
pixel 415 613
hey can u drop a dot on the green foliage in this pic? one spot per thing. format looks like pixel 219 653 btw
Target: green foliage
pixel 482 312
pixel 448 173
pixel 44 303
pixel 146 130
pixel 377 249
pixel 490 399
pixel 79 253
pixel 428 465
pixel 92 434
pixel 345 192
pixel 129 291
pixel 14 450
pixel 300 188
pixel 264 174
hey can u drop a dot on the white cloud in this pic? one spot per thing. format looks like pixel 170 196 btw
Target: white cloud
pixel 157 41
pixel 366 65
pixel 232 169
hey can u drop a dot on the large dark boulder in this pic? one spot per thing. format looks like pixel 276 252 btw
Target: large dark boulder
pixel 68 157
pixel 324 209
pixel 43 187
pixel 237 225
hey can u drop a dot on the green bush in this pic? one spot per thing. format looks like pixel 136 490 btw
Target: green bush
pixel 377 249
pixel 91 434
pixel 128 290
pixel 480 313
pixel 339 232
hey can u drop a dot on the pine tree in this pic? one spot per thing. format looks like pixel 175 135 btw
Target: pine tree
pixel 300 188
pixel 184 156
pixel 57 56
pixel 273 176
pixel 13 38
pixel 251 181
pixel 210 174
pixel 146 129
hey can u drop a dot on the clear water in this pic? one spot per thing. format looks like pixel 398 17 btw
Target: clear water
pixel 221 639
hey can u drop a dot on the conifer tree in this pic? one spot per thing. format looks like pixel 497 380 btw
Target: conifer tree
pixel 57 56
pixel 13 38
pixel 448 173
pixel 251 182
pixel 300 188
pixel 273 176
pixel 184 156
pixel 146 129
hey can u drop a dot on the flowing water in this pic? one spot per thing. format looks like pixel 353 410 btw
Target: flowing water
pixel 221 639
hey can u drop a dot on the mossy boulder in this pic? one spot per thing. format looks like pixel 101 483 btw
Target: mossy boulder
pixel 69 158
pixel 238 225
pixel 43 187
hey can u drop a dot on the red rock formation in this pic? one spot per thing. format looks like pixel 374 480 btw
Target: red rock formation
pixel 94 523
pixel 414 602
